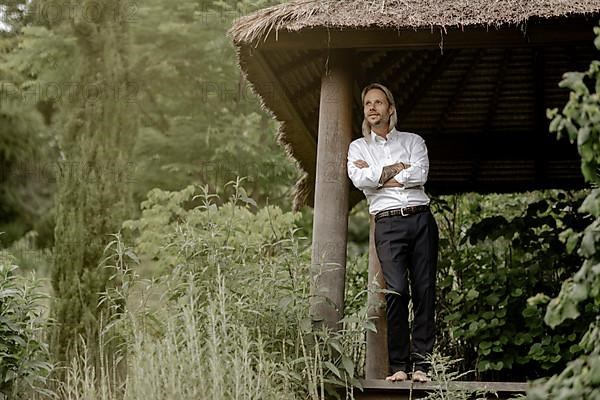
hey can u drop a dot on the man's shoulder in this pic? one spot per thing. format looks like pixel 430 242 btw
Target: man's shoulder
pixel 359 142
pixel 410 136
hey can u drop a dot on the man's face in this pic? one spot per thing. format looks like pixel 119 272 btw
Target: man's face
pixel 377 108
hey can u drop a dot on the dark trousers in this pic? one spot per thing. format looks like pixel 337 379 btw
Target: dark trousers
pixel 407 247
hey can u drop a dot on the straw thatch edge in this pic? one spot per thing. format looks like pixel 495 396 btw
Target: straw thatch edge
pixel 301 190
pixel 400 14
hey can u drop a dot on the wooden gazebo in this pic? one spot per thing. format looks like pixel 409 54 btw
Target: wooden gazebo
pixel 473 77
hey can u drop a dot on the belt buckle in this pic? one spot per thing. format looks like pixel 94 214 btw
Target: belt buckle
pixel 402 212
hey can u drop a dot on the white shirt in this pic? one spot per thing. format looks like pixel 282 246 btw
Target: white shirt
pixel 403 147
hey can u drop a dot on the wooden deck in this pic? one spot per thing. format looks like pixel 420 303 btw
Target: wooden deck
pixel 379 389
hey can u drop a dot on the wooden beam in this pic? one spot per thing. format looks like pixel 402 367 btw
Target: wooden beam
pixel 376 76
pixel 549 32
pixel 359 76
pixel 388 63
pixel 330 223
pixel 311 71
pixel 317 83
pixel 543 137
pixel 284 97
pixel 480 141
pixel 430 76
pixel 418 60
pixel 496 146
pixel 377 362
pixel 451 103
pixel 506 387
pixel 299 59
pixel 384 390
pixel 369 59
pixel 506 186
pixel 500 79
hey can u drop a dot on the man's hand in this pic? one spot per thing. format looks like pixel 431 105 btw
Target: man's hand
pixel 392 183
pixel 389 171
pixel 361 164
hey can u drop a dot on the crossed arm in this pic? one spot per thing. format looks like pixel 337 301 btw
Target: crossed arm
pixel 387 174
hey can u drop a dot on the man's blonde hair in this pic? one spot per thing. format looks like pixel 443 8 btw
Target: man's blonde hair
pixel 366 127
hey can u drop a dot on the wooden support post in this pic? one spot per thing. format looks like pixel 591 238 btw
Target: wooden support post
pixel 377 362
pixel 330 223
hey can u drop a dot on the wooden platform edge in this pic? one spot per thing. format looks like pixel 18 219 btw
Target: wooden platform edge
pixel 500 387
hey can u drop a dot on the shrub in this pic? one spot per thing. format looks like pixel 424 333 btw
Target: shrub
pixel 23 356
pixel 228 315
pixel 489 269
pixel 580 121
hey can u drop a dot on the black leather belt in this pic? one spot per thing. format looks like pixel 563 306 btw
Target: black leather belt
pixel 405 212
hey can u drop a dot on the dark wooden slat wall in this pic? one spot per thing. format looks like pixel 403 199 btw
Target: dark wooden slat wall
pixel 481 110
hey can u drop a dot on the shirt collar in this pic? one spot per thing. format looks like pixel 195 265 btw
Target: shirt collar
pixel 378 139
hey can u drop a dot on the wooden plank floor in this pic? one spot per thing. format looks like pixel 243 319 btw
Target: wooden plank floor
pixel 379 389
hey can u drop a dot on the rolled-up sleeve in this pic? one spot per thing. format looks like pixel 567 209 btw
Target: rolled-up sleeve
pixel 416 174
pixel 362 178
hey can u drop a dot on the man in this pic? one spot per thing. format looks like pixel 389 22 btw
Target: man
pixel 391 167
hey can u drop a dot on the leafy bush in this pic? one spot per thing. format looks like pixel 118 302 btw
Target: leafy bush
pixel 580 120
pixel 488 270
pixel 23 357
pixel 228 316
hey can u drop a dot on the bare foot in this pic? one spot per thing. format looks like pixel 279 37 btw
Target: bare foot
pixel 397 377
pixel 420 376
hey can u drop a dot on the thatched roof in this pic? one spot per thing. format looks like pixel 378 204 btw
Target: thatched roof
pixel 400 14
pixel 490 86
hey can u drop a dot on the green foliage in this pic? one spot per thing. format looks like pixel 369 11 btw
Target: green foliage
pixel 580 121
pixel 24 140
pixel 201 123
pixel 23 356
pixel 235 304
pixel 443 372
pixel 580 379
pixel 247 237
pixel 197 112
pixel 487 272
pixel 37 63
pixel 195 107
pixel 94 196
pixel 232 145
pixel 356 283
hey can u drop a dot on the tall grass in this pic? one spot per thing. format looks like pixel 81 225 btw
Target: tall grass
pixel 196 351
pixel 232 319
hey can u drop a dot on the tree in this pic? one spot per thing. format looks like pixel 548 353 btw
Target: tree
pixel 200 122
pixel 24 139
pixel 100 123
